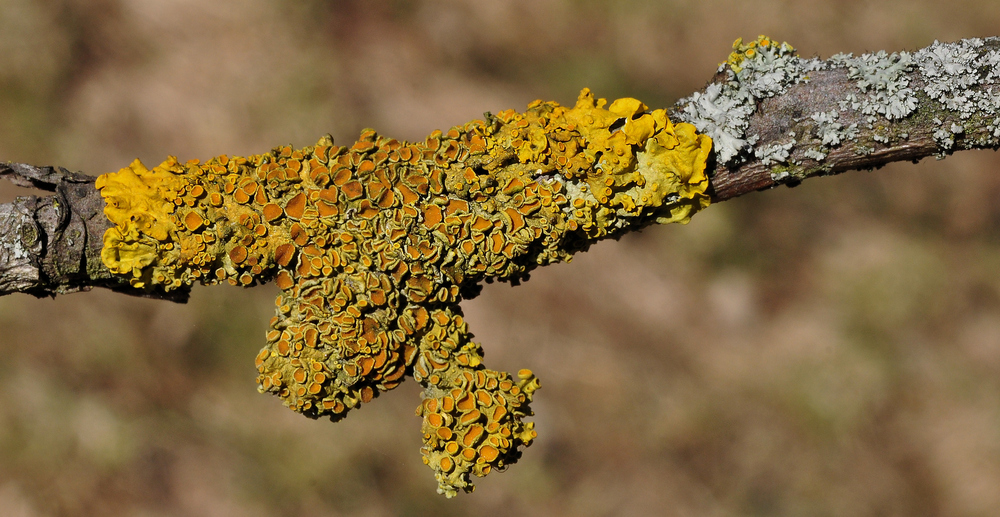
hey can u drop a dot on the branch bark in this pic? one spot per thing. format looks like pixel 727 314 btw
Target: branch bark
pixel 774 118
pixel 814 118
pixel 51 245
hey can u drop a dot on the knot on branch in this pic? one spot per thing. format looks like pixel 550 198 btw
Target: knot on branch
pixel 45 242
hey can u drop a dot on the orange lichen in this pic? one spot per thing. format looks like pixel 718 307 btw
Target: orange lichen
pixel 374 245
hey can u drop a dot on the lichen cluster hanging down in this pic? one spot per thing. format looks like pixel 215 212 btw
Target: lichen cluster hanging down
pixel 373 246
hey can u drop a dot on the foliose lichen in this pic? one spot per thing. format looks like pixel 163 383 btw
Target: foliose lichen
pixel 952 85
pixel 891 87
pixel 775 153
pixel 961 77
pixel 374 244
pixel 882 79
pixel 829 131
pixel 754 71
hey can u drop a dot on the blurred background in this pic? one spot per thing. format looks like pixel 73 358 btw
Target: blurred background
pixel 828 350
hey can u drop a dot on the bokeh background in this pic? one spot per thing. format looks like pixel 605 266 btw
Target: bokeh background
pixel 828 350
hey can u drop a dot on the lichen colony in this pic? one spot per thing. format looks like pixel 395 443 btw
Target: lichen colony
pixel 375 244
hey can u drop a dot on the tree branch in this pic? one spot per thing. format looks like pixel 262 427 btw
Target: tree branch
pixel 775 119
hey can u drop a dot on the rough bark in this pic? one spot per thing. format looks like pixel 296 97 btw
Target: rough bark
pixel 886 108
pixel 788 112
pixel 935 101
pixel 51 245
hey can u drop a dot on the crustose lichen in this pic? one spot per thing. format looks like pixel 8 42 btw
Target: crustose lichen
pixel 374 245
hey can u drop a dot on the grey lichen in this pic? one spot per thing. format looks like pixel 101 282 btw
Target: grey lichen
pixel 881 78
pixel 814 154
pixel 775 153
pixel 828 130
pixel 755 71
pixel 991 60
pixel 958 77
pixel 20 235
pixel 946 91
pixel 722 116
pixel 942 136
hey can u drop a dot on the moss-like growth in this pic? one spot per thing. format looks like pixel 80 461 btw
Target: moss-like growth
pixel 375 244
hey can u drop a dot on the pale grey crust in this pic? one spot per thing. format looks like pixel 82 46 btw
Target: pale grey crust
pixel 783 118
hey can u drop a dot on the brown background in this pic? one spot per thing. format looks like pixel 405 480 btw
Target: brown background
pixel 832 349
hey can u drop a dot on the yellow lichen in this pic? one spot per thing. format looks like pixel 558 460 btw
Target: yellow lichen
pixel 743 51
pixel 374 245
